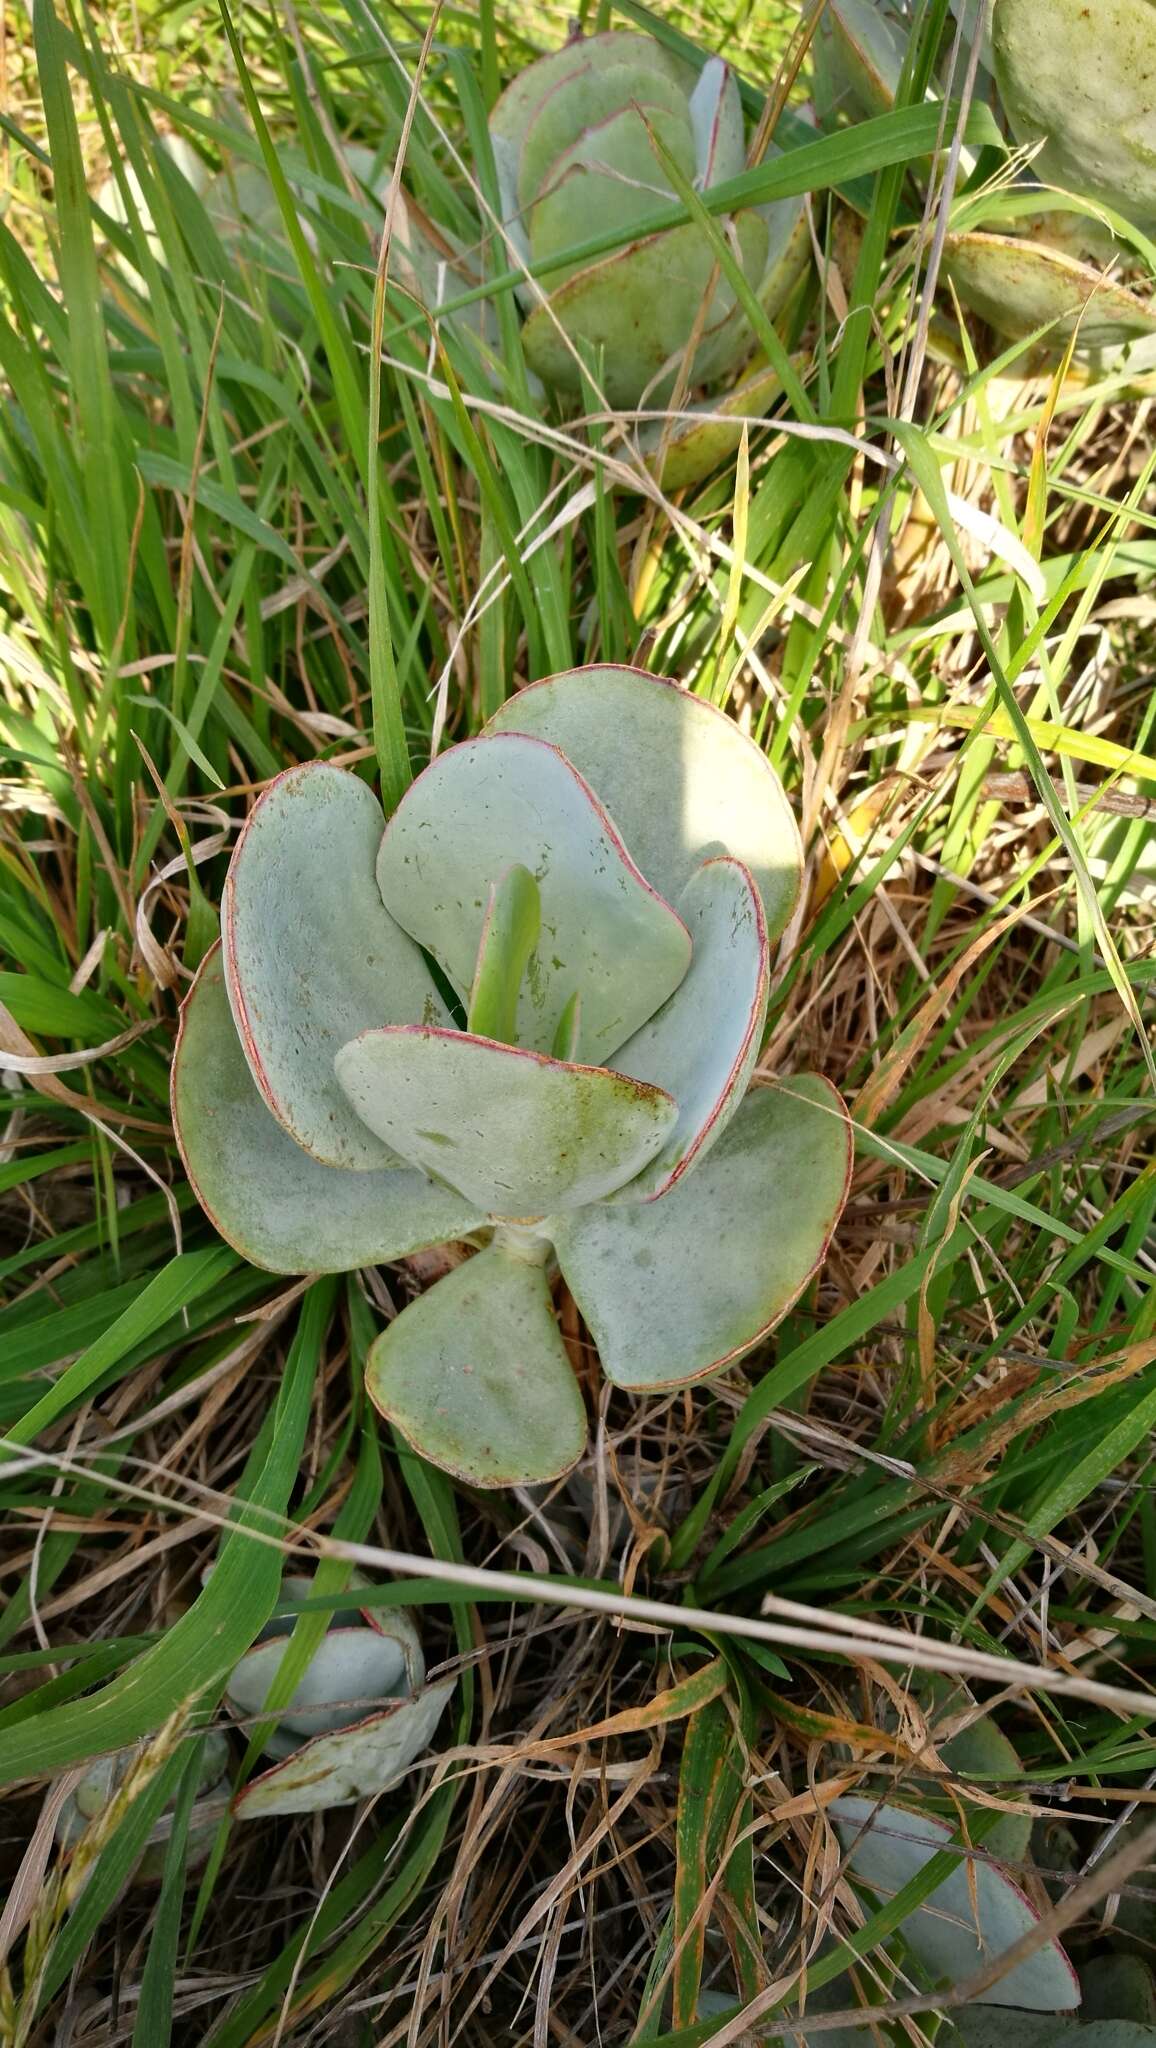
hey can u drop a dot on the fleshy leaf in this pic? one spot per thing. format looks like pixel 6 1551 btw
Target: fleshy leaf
pixel 277 1206
pixel 612 174
pixel 1082 76
pixel 353 1763
pixel 677 776
pixel 860 50
pixel 886 1846
pixel 716 112
pixel 476 1377
pixel 605 931
pixel 351 1671
pixel 311 955
pixel 1018 283
pixel 509 936
pixel 702 1045
pixel 519 105
pixel 707 433
pixel 514 1131
pixel 675 1289
pixel 635 311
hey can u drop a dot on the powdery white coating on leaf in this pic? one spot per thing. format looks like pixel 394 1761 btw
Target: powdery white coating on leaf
pixel 680 780
pixel 702 1045
pixel 356 1762
pixel 513 1131
pixel 276 1205
pixel 476 1377
pixel 517 106
pixel 676 1288
pixel 311 955
pixel 886 1846
pixel 605 931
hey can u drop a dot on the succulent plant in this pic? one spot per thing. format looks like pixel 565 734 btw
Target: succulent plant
pixel 529 1006
pixel 357 1720
pixel 1020 260
pixel 576 140
pixel 102 1781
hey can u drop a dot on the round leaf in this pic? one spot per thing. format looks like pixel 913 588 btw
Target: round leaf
pixel 1084 78
pixel 887 1846
pixel 635 312
pixel 612 174
pixel 351 1670
pixel 357 1762
pixel 702 1045
pixel 675 1289
pixel 277 1206
pixel 515 1132
pixel 518 106
pixel 311 955
pixel 678 777
pixel 491 803
pixel 476 1377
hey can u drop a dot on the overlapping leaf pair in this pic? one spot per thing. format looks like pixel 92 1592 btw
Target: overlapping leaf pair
pixel 530 1005
pixel 583 143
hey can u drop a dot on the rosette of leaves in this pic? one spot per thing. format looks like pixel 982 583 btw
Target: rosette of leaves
pixel 527 1012
pixel 358 1718
pixel 1076 80
pixel 598 136
pixel 97 1792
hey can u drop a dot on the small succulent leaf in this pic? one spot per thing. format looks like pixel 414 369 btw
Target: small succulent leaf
pixel 271 1201
pixel 788 252
pixel 509 935
pixel 680 779
pixel 393 1622
pixel 636 310
pixel 523 1133
pixel 605 931
pixel 311 955
pixel 475 1375
pixel 1081 77
pixel 351 1672
pixel 674 1289
pixel 716 112
pixel 874 39
pixel 353 1763
pixel 575 120
pixel 702 1045
pixel 565 1046
pixel 613 175
pixel 886 1846
pixel 1018 283
pixel 977 1750
pixel 683 451
pixel 519 105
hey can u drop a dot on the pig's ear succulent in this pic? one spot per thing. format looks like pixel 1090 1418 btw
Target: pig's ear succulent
pixel 1079 79
pixel 860 46
pixel 98 1788
pixel 600 879
pixel 361 1715
pixel 577 142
